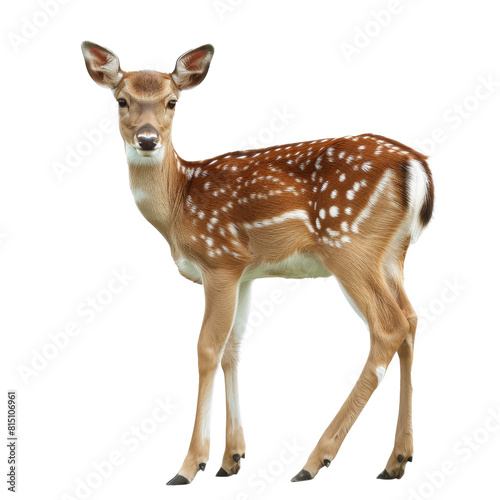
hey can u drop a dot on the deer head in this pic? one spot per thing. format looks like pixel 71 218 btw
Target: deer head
pixel 146 99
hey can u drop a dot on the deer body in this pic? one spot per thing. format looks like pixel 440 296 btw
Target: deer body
pixel 316 194
pixel 346 207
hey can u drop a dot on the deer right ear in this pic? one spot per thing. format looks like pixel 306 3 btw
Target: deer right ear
pixel 192 67
pixel 103 66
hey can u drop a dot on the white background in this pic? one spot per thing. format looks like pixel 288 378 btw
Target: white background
pixel 62 238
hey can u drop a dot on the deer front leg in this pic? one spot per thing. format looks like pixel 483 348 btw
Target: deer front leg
pixel 235 441
pixel 220 304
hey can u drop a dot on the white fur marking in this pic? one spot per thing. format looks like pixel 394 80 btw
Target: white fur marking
pixel 293 214
pixel 418 184
pixel 140 158
pixel 139 195
pixel 384 181
pixel 380 372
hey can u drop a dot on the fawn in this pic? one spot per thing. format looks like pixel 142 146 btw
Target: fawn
pixel 346 207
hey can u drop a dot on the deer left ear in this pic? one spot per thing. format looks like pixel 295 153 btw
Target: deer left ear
pixel 103 66
pixel 192 67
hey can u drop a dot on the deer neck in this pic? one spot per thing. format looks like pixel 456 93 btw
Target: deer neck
pixel 159 186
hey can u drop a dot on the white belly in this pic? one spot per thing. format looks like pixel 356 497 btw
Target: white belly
pixel 295 266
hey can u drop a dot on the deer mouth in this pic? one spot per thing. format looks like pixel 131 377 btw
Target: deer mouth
pixel 148 152
pixel 135 152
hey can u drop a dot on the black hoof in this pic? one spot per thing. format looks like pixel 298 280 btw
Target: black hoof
pixel 243 456
pixel 203 465
pixel 410 459
pixel 303 475
pixel 384 475
pixel 327 462
pixel 222 473
pixel 178 480
pixel 400 458
pixel 236 457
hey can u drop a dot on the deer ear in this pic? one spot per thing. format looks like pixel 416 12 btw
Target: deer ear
pixel 192 67
pixel 103 66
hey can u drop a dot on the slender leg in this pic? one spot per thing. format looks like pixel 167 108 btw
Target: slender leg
pixel 403 445
pixel 235 441
pixel 388 329
pixel 220 304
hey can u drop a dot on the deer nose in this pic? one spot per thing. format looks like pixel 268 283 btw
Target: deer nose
pixel 147 137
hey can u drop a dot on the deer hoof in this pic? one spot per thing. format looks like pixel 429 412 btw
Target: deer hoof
pixel 385 475
pixel 303 475
pixel 178 480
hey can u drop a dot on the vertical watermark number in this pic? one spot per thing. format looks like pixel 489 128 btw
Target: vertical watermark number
pixel 11 441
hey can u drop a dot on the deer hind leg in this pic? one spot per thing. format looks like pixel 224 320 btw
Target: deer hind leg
pixel 235 441
pixel 221 294
pixel 403 445
pixel 388 328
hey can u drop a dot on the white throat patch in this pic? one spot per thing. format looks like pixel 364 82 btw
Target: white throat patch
pixel 144 158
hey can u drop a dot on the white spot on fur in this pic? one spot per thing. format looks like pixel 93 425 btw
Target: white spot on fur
pixel 139 195
pixel 233 230
pixel 380 372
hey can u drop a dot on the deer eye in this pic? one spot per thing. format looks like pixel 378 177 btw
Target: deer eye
pixel 122 103
pixel 171 104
